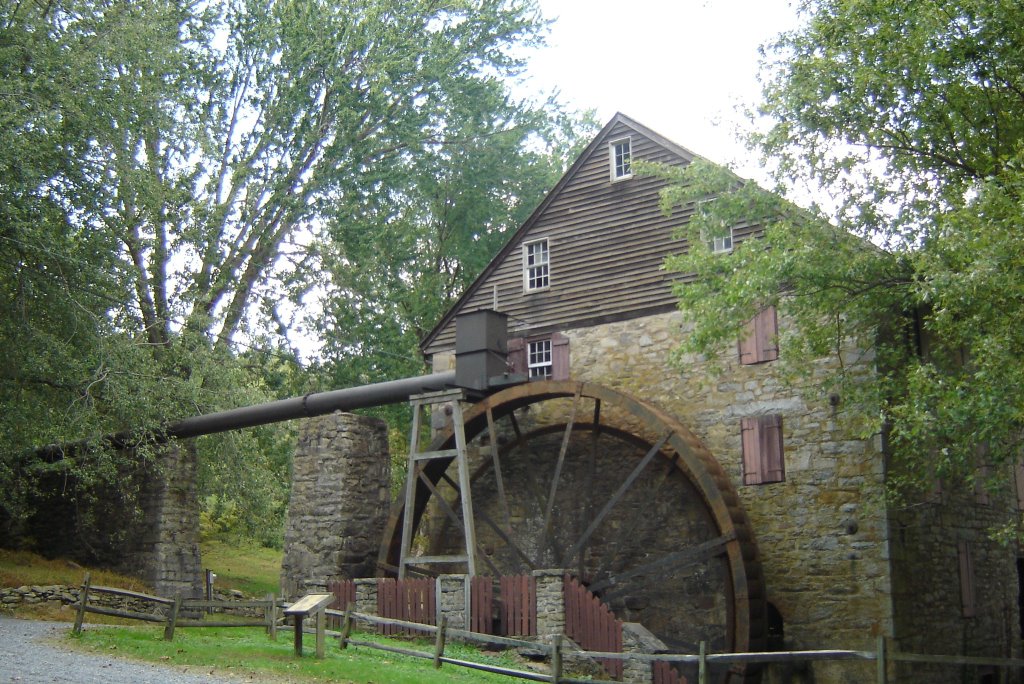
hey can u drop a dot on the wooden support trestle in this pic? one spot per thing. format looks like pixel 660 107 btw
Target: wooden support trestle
pixel 422 405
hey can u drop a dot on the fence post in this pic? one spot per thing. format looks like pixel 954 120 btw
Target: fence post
pixel 321 627
pixel 881 656
pixel 271 614
pixel 172 618
pixel 442 627
pixel 702 664
pixel 556 658
pixel 346 626
pixel 80 616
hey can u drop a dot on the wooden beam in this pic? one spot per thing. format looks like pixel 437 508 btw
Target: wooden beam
pixel 550 508
pixel 498 479
pixel 697 554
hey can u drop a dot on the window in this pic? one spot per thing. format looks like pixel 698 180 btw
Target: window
pixel 721 244
pixel 620 155
pixel 759 342
pixel 763 461
pixel 539 358
pixel 536 260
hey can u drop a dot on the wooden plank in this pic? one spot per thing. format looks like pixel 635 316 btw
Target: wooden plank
pixel 411 480
pixel 462 463
pixel 132 594
pixel 308 604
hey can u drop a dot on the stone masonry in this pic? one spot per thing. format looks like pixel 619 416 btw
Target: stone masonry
pixel 841 565
pixel 339 501
pixel 163 547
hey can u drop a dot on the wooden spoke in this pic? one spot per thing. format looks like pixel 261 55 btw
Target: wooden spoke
pixel 507 539
pixel 615 498
pixel 587 509
pixel 561 462
pixel 670 562
pixel 492 432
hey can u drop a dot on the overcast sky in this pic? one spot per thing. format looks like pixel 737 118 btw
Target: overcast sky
pixel 680 67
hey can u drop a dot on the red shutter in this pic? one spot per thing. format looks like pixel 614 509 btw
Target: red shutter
pixel 773 464
pixel 967 599
pixel 559 357
pixel 767 334
pixel 758 343
pixel 748 343
pixel 516 359
pixel 763 454
pixel 751 451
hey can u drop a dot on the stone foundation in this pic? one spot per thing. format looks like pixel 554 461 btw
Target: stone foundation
pixel 163 547
pixel 339 501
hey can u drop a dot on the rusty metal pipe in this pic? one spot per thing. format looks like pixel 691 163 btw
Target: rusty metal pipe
pixel 310 405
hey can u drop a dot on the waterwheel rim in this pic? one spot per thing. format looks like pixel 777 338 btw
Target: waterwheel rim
pixel 745 588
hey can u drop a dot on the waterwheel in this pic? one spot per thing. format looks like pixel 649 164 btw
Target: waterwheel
pixel 616 492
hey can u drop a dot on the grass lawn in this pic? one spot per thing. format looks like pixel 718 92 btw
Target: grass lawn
pixel 253 570
pixel 248 652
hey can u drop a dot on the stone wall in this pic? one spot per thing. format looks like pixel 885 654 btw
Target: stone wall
pixel 339 501
pixel 927 583
pixel 841 568
pixel 162 548
pixel 143 522
pixel 822 533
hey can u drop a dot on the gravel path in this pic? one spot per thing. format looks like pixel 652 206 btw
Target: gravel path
pixel 28 653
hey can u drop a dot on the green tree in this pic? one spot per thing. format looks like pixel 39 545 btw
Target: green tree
pixel 166 166
pixel 911 118
pixel 450 209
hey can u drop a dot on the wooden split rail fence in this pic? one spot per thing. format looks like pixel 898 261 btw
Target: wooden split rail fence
pixel 882 656
pixel 177 611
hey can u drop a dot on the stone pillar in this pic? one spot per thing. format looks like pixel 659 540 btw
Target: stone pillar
pixel 638 639
pixel 550 602
pixel 163 546
pixel 453 600
pixel 339 502
pixel 366 596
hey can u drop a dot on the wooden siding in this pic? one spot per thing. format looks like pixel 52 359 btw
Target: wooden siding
pixel 607 240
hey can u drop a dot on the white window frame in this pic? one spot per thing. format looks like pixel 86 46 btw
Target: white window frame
pixel 613 159
pixel 722 244
pixel 536 275
pixel 540 359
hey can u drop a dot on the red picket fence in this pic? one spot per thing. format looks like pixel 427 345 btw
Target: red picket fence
pixel 344 593
pixel 481 605
pixel 409 599
pixel 665 673
pixel 518 605
pixel 591 624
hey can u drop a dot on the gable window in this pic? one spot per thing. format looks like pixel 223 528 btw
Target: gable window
pixel 763 461
pixel 721 244
pixel 539 358
pixel 620 155
pixel 759 342
pixel 536 263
